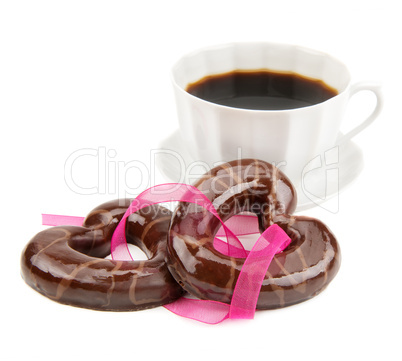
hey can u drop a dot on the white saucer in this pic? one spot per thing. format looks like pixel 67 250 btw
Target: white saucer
pixel 328 174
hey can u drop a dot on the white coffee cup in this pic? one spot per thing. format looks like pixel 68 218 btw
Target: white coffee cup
pixel 290 138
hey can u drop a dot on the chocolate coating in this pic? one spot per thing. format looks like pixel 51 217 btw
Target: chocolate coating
pixel 67 265
pixel 301 271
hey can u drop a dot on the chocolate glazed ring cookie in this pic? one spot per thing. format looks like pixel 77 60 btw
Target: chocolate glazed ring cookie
pixel 301 271
pixel 67 263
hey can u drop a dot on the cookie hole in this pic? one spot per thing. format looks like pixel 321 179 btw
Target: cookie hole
pixel 136 253
pixel 247 234
pixel 247 241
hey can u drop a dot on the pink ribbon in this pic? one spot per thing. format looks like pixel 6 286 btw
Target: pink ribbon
pixel 57 220
pixel 244 300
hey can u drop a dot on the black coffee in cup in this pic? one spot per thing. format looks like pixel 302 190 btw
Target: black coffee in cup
pixel 261 90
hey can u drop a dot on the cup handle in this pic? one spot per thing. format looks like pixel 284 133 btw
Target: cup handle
pixel 355 88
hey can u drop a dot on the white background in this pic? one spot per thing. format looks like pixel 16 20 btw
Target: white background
pixel 95 74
